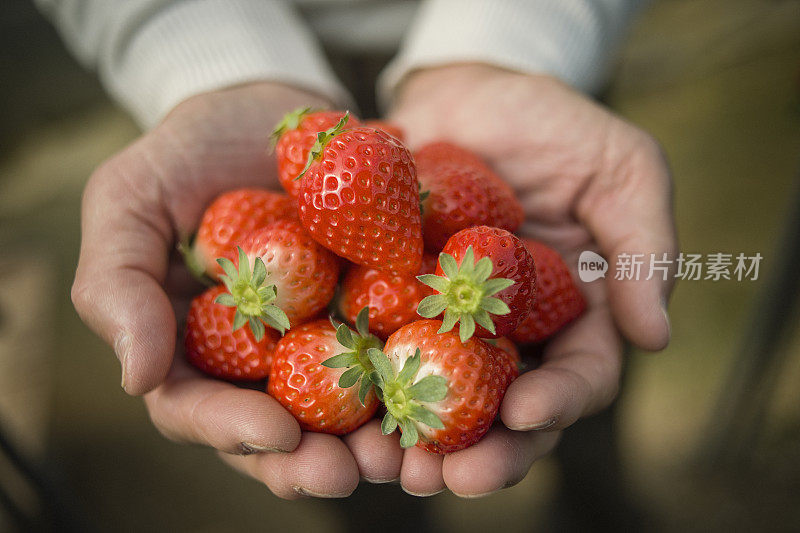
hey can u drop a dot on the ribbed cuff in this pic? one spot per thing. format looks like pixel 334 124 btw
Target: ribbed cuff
pixel 192 47
pixel 573 40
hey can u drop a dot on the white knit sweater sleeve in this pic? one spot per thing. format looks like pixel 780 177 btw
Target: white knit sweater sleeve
pixel 573 40
pixel 152 54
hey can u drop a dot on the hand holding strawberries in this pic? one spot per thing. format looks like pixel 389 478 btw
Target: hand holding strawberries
pixel 133 289
pixel 586 180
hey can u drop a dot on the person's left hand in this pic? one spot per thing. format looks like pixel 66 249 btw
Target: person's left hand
pixel 587 181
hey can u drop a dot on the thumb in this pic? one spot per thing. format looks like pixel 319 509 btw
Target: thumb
pixel 628 209
pixel 123 261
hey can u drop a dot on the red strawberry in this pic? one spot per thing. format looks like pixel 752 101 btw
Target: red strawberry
pixel 215 348
pixel 392 129
pixel 442 153
pixel 508 346
pixel 295 135
pixel 444 394
pixel 292 279
pixel 229 218
pixel 392 298
pixel 308 379
pixel 481 271
pixel 462 192
pixel 360 198
pixel 512 362
pixel 558 300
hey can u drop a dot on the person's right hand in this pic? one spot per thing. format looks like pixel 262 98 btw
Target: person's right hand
pixel 130 286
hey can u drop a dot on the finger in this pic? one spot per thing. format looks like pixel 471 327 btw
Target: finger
pixel 379 457
pixel 579 376
pixel 321 466
pixel 123 261
pixel 628 210
pixel 500 460
pixel 421 473
pixel 191 408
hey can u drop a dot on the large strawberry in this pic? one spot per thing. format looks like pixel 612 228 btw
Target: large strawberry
pixel 462 192
pixel 444 394
pixel 360 199
pixel 309 379
pixel 482 271
pixel 558 300
pixel 295 135
pixel 229 218
pixel 292 279
pixel 214 347
pixel 392 298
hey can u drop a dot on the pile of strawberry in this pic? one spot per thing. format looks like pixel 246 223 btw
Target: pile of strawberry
pixel 379 278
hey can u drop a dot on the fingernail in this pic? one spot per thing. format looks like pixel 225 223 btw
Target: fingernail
pixel 476 496
pixel 421 494
pixel 667 320
pixel 302 491
pixel 550 422
pixel 248 448
pixel 506 485
pixel 122 347
pixel 124 372
pixel 380 481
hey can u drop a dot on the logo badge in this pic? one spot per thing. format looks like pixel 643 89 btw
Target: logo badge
pixel 591 266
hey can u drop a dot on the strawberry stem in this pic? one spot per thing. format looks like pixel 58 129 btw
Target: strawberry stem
pixel 251 296
pixel 465 294
pixel 193 264
pixel 323 138
pixel 290 121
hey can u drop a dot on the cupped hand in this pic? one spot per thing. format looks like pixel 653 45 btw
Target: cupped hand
pixel 587 180
pixel 130 286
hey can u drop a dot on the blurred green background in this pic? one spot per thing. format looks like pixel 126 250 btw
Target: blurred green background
pixel 716 81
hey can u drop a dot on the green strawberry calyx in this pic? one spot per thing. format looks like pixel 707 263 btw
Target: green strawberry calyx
pixel 251 296
pixel 193 263
pixel 404 397
pixel 465 294
pixel 290 121
pixel 423 195
pixel 356 360
pixel 323 138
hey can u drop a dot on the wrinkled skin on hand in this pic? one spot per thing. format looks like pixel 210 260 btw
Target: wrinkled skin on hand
pixel 588 181
pixel 131 285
